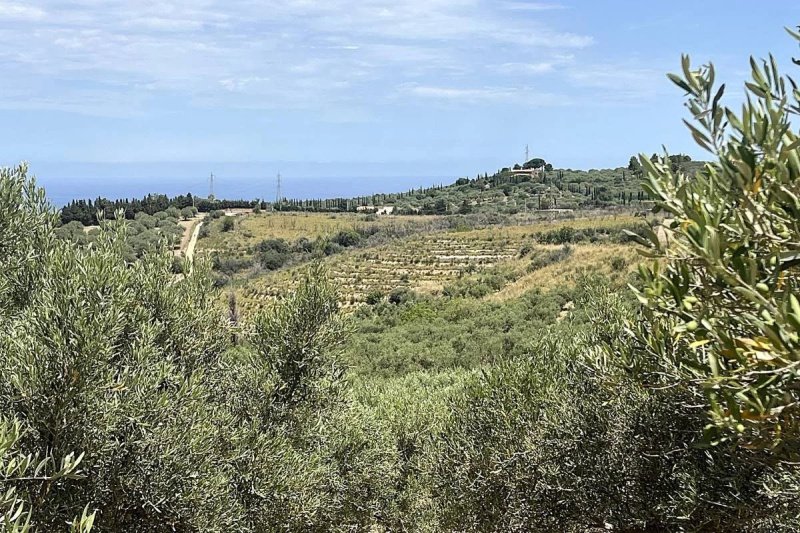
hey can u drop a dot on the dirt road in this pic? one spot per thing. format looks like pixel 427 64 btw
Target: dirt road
pixel 189 251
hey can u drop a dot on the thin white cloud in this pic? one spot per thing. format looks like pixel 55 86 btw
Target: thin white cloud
pixel 527 68
pixel 620 83
pixel 505 95
pixel 544 38
pixel 531 6
pixel 164 24
pixel 455 93
pixel 15 12
pixel 231 53
pixel 533 68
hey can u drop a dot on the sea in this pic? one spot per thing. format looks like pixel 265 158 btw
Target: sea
pixel 61 190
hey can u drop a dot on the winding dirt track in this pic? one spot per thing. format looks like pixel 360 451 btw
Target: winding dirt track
pixel 189 252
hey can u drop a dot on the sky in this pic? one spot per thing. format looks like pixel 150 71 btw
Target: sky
pixel 379 87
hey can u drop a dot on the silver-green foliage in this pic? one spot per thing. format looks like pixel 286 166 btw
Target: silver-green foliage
pixel 720 298
pixel 131 367
pixel 565 440
pixel 110 360
pixel 27 469
pixel 25 233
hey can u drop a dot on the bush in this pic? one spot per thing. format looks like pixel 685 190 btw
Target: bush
pixel 374 297
pixel 73 232
pixel 331 248
pixel 146 220
pixel 543 258
pixel 131 368
pixel 205 231
pixel 487 282
pixel 177 265
pixel 20 468
pixel 347 238
pixel 128 328
pixel 228 223
pixel 230 265
pixel 400 296
pixel 272 259
pixel 554 442
pixel 277 245
pixel 303 246
pixel 618 263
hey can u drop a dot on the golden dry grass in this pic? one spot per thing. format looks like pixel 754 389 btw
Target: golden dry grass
pixel 585 259
pixel 254 228
pixel 427 262
pixel 611 222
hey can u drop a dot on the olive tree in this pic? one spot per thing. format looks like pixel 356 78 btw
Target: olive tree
pixel 720 290
pixel 26 233
pixel 17 468
pixel 130 368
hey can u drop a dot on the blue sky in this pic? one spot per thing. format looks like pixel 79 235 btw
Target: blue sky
pixel 387 87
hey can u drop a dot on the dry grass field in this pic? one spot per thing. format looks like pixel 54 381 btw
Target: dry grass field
pixel 254 228
pixel 614 261
pixel 427 263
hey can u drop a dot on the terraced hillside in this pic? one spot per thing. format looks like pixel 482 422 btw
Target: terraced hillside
pixel 497 262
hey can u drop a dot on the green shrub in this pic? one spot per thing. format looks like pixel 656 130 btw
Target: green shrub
pixel 552 442
pixel 22 469
pixel 543 258
pixel 374 297
pixel 131 368
pixel 177 265
pixel 278 245
pixel 347 238
pixel 230 265
pixel 205 230
pixel 401 295
pixel 618 263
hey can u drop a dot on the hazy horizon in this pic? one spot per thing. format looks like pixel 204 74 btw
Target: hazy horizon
pixel 61 191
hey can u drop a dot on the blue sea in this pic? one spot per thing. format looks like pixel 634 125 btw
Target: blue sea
pixel 61 190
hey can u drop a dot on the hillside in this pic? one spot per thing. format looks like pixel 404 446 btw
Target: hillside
pixel 514 190
pixel 372 258
pixel 521 189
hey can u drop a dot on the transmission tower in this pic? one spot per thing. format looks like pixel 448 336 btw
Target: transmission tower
pixel 278 196
pixel 211 186
pixel 527 155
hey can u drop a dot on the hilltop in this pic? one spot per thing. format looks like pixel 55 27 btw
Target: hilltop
pixel 535 185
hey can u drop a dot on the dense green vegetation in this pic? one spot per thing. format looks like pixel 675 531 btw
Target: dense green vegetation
pixel 381 254
pixel 273 253
pixel 510 191
pixel 145 233
pixel 87 211
pixel 504 192
pixel 401 334
pixel 131 400
pixel 507 191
